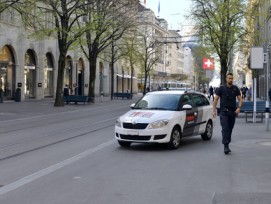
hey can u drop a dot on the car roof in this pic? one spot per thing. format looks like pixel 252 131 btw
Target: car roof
pixel 179 92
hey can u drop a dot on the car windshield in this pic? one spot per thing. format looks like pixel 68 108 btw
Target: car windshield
pixel 159 102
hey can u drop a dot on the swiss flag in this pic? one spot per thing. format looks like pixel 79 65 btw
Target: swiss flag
pixel 208 63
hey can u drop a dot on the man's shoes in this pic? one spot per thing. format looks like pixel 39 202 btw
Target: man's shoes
pixel 226 149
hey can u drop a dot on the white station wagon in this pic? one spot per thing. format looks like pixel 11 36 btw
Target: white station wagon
pixel 166 117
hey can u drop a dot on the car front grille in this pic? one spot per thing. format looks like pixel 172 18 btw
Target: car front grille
pixel 137 126
pixel 135 137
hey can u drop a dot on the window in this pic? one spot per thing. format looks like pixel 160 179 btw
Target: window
pixel 197 100
pixel 186 100
pixel 205 101
pixel 200 100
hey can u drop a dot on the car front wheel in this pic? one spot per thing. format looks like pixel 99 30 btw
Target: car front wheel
pixel 207 135
pixel 124 144
pixel 175 138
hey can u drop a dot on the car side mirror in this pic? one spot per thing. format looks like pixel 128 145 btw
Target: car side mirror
pixel 132 106
pixel 186 107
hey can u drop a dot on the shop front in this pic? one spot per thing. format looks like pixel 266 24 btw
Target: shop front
pixel 7 73
pixel 30 74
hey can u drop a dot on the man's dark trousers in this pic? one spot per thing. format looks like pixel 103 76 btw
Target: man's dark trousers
pixel 227 121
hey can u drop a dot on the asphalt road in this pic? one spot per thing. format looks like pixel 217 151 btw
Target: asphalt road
pixel 68 155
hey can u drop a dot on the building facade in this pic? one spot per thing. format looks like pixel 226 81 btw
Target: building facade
pixel 31 66
pixel 260 26
pixel 170 65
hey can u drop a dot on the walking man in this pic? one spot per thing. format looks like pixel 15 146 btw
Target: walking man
pixel 228 110
pixel 211 92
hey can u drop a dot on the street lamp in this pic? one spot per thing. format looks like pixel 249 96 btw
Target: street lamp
pixel 112 54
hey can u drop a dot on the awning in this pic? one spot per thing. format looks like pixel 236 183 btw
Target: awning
pixel 29 67
pixel 126 76
pixel 48 68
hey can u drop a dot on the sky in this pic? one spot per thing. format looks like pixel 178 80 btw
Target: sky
pixel 172 11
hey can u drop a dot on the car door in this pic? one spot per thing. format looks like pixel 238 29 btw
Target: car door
pixel 199 103
pixel 206 114
pixel 191 115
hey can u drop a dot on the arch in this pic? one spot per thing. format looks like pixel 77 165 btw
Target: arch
pixel 48 75
pixel 30 64
pixel 68 72
pixel 81 64
pixel 7 71
pixel 80 76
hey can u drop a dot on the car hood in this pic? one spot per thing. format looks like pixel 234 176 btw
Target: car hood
pixel 146 116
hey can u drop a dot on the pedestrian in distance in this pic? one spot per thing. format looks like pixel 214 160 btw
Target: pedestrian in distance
pixel 244 92
pixel 66 92
pixel 159 88
pixel 211 92
pixel 228 111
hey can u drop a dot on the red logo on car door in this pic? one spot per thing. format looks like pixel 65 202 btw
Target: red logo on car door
pixel 190 118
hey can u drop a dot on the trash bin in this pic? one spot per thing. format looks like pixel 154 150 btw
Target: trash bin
pixel 18 95
pixel 1 95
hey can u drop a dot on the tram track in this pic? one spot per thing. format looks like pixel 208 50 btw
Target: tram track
pixel 19 136
pixel 52 143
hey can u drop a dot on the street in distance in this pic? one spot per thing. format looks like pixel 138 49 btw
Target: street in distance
pixel 166 117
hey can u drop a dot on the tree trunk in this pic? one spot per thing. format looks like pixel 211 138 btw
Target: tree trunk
pixel 224 69
pixel 146 76
pixel 112 79
pixel 60 78
pixel 92 77
pixel 132 74
pixel 145 83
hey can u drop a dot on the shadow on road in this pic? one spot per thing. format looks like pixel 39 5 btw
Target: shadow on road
pixel 185 143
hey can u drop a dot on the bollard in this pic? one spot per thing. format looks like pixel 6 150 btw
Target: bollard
pixel 1 95
pixel 102 96
pixel 18 95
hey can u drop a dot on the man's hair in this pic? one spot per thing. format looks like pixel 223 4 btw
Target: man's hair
pixel 229 74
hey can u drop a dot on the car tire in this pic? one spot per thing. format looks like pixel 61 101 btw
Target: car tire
pixel 175 138
pixel 124 144
pixel 207 135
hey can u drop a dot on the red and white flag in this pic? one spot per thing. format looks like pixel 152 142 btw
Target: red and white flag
pixel 208 63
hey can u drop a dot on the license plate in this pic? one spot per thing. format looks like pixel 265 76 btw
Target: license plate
pixel 132 132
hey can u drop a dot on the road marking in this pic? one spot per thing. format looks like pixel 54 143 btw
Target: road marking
pixel 28 179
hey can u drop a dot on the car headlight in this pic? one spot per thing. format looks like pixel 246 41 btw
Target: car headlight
pixel 158 124
pixel 118 123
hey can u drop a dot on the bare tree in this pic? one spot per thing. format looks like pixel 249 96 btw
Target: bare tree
pixel 106 22
pixel 148 54
pixel 223 26
pixel 7 4
pixel 112 54
pixel 131 53
pixel 58 20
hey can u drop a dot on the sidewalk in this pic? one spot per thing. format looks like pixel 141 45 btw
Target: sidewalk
pixel 12 110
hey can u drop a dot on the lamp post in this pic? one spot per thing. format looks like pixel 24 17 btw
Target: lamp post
pixel 267 87
pixel 122 80
pixel 112 69
pixel 112 54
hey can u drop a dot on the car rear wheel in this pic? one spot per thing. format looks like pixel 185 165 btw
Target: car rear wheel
pixel 207 135
pixel 175 138
pixel 124 144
